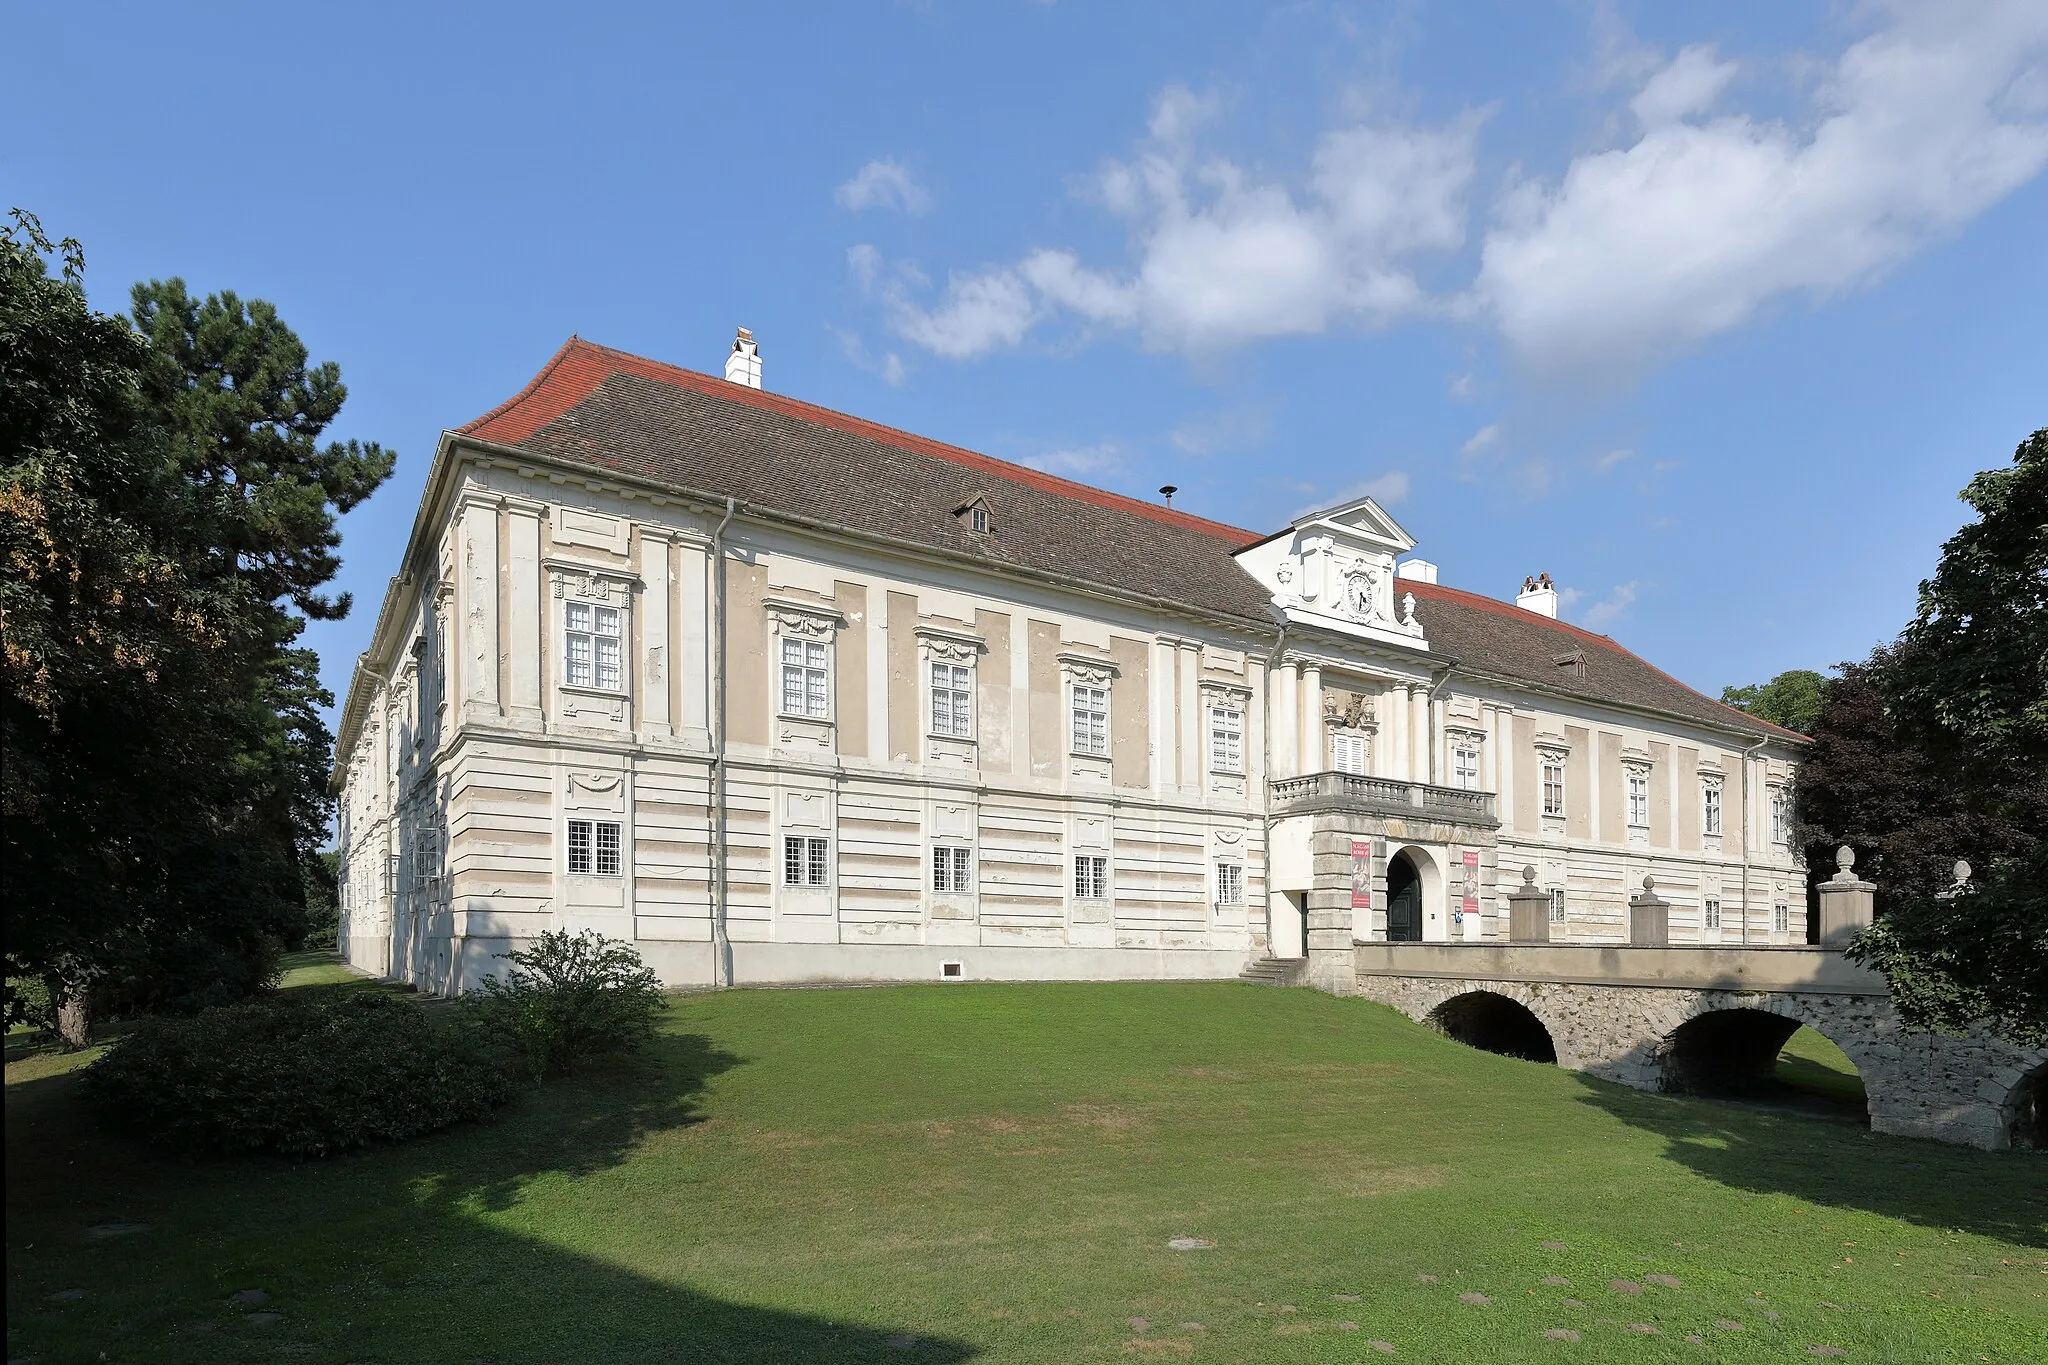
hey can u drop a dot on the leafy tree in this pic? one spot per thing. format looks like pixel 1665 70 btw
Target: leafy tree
pixel 166 522
pixel 1792 699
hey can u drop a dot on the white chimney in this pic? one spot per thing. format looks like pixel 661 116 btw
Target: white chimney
pixel 1421 570
pixel 743 366
pixel 1539 595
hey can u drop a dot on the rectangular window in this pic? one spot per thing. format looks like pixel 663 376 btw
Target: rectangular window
pixel 426 859
pixel 1230 883
pixel 1639 800
pixel 1557 905
pixel 592 643
pixel 1710 915
pixel 1347 752
pixel 804 860
pixel 1226 739
pixel 1091 877
pixel 1781 815
pixel 594 848
pixel 1091 719
pixel 1710 809
pixel 950 869
pixel 806 685
pixel 1553 786
pixel 1465 768
pixel 1781 919
pixel 952 700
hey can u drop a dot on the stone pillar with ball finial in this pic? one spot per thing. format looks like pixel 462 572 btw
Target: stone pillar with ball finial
pixel 1846 902
pixel 1528 911
pixel 1649 917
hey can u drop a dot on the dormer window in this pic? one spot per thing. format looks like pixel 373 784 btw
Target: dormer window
pixel 975 513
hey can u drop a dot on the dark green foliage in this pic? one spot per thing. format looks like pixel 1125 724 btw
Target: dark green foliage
pixel 1792 699
pixel 570 998
pixel 297 1074
pixel 166 522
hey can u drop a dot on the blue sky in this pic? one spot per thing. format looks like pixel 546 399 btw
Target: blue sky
pixel 1706 311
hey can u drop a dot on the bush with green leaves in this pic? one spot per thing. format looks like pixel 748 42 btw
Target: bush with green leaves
pixel 570 998
pixel 298 1073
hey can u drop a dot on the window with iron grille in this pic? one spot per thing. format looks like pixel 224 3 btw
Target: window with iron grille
pixel 951 869
pixel 1091 719
pixel 1091 877
pixel 1710 915
pixel 952 700
pixel 595 848
pixel 1557 905
pixel 1230 883
pixel 592 638
pixel 1553 786
pixel 1226 739
pixel 805 860
pixel 806 679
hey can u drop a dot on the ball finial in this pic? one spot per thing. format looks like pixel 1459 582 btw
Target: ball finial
pixel 1845 857
pixel 1962 872
pixel 1529 875
pixel 1649 885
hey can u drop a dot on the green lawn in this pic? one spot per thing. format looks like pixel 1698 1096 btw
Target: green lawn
pixel 939 1173
pixel 1811 1063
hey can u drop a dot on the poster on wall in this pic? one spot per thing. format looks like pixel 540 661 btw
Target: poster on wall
pixel 1361 874
pixel 1469 905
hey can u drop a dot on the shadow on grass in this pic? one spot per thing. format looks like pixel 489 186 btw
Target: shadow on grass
pixel 1995 1194
pixel 392 1253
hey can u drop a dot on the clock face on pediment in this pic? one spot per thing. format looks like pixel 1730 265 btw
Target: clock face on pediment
pixel 1361 592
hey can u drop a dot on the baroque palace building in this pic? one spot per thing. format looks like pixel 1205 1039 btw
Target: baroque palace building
pixel 781 695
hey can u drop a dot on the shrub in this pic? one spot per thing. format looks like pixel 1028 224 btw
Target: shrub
pixel 302 1074
pixel 571 997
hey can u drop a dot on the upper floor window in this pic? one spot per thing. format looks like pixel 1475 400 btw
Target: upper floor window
pixel 1091 877
pixel 1348 752
pixel 806 678
pixel 952 700
pixel 951 868
pixel 1553 784
pixel 1710 808
pixel 1639 800
pixel 595 848
pixel 1226 739
pixel 592 639
pixel 1230 883
pixel 1465 767
pixel 806 860
pixel 1090 719
pixel 1781 816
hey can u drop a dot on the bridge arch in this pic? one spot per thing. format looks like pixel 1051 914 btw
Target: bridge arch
pixel 2025 1110
pixel 1493 1022
pixel 1729 1045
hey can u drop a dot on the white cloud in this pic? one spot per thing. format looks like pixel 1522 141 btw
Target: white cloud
pixel 1650 248
pixel 1081 462
pixel 1388 490
pixel 888 366
pixel 1483 439
pixel 1223 257
pixel 1607 463
pixel 1610 608
pixel 884 184
pixel 1463 387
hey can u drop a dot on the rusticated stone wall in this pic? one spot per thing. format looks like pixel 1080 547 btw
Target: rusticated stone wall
pixel 1961 1090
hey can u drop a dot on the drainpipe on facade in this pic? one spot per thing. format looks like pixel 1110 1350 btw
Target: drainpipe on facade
pixel 1430 736
pixel 1266 776
pixel 721 945
pixel 1747 814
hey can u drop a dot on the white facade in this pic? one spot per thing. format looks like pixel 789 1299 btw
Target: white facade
pixel 937 767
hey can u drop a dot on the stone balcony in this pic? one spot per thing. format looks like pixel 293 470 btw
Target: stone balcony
pixel 1381 796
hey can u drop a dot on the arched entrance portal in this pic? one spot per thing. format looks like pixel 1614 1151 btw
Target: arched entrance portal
pixel 1744 1054
pixel 1404 900
pixel 1494 1023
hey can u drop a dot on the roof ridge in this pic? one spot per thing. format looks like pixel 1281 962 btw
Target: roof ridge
pixel 717 387
pixel 1499 607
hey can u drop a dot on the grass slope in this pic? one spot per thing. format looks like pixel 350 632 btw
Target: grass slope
pixel 993 1172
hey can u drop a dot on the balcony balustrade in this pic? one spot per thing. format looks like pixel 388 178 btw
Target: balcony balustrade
pixel 1380 796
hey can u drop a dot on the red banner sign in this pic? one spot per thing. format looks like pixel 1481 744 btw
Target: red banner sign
pixel 1471 899
pixel 1361 874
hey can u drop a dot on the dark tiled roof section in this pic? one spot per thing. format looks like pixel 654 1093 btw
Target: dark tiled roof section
pixel 1500 638
pixel 609 410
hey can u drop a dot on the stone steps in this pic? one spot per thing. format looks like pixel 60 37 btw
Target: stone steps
pixel 1276 971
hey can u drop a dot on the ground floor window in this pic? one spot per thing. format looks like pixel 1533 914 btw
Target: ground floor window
pixel 950 869
pixel 805 860
pixel 1710 915
pixel 595 848
pixel 1091 877
pixel 1230 883
pixel 1557 905
pixel 1781 918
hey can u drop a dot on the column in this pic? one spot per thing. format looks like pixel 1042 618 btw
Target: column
pixel 1282 720
pixel 1418 735
pixel 1313 759
pixel 1191 718
pixel 1396 734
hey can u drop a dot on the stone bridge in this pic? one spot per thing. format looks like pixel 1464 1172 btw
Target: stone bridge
pixel 1703 1019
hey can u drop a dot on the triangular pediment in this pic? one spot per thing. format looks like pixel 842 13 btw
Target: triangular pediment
pixel 1360 519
